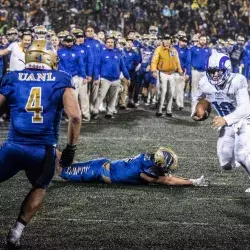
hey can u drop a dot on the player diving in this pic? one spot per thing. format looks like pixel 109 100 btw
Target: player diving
pixel 227 93
pixel 145 168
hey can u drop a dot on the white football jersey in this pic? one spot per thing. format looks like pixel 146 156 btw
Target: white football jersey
pixel 231 101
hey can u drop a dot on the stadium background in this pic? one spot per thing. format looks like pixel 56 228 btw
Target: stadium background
pixel 222 18
pixel 98 216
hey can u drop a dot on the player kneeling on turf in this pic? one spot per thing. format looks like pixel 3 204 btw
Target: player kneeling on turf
pixel 144 168
pixel 228 94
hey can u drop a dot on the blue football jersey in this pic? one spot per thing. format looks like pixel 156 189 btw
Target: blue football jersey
pixel 129 170
pixel 35 101
pixel 121 171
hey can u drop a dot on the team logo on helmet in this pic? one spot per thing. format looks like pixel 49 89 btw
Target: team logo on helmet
pixel 166 159
pixel 41 55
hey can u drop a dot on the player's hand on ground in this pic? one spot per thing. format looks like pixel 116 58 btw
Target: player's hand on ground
pixel 218 122
pixel 200 182
pixel 68 155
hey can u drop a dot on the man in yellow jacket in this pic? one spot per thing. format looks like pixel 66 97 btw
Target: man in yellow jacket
pixel 165 63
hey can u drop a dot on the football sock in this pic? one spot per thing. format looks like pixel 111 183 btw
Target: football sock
pixel 20 224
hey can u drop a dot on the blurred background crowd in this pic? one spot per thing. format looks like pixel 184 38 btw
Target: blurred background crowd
pixel 212 17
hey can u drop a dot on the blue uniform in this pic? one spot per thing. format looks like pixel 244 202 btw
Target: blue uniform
pixel 145 77
pixel 236 57
pixel 111 65
pixel 87 58
pixel 185 58
pixel 71 62
pixel 120 171
pixel 246 61
pixel 35 101
pixel 199 58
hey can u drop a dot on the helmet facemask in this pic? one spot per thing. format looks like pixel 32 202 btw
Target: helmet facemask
pixel 166 159
pixel 217 76
pixel 219 69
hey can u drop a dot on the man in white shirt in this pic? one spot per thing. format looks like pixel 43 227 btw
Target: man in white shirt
pixel 17 50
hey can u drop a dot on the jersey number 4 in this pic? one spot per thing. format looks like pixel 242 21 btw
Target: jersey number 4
pixel 34 104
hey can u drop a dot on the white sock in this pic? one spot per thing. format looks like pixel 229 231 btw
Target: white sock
pixel 18 227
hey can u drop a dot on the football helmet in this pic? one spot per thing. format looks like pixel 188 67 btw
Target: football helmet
pixel 153 30
pixel 12 34
pixel 40 32
pixel 12 31
pixel 41 55
pixel 166 159
pixel 219 68
pixel 181 33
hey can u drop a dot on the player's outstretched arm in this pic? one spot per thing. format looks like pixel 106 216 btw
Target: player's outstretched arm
pixel 4 52
pixel 73 112
pixel 176 181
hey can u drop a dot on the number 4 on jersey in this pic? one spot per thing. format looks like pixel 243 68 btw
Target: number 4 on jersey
pixel 34 104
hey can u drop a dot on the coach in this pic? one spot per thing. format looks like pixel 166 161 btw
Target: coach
pixel 109 69
pixel 166 61
pixel 199 58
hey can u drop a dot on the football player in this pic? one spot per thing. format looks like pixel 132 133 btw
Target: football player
pixel 36 97
pixel 228 95
pixel 145 168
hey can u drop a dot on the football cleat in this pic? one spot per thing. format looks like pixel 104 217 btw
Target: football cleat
pixel 12 240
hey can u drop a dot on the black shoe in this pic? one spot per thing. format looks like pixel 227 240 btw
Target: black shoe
pixel 131 105
pixel 109 116
pixel 180 108
pixel 158 114
pixel 169 114
pixel 122 108
pixel 94 116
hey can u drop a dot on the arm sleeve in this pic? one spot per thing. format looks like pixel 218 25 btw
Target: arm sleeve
pixel 188 63
pixel 7 87
pixel 155 59
pixel 97 67
pixel 10 47
pixel 124 69
pixel 242 110
pixel 90 62
pixel 81 67
pixel 178 61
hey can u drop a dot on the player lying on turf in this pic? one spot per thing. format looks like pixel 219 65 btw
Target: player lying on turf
pixel 228 95
pixel 144 168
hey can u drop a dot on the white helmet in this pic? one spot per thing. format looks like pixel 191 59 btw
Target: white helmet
pixel 219 68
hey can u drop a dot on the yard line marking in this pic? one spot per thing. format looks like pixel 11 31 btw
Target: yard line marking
pixel 140 139
pixel 141 222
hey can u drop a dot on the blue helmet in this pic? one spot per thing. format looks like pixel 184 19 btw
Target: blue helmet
pixel 219 68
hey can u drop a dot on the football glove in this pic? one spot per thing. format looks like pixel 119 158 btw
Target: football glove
pixel 68 155
pixel 200 182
